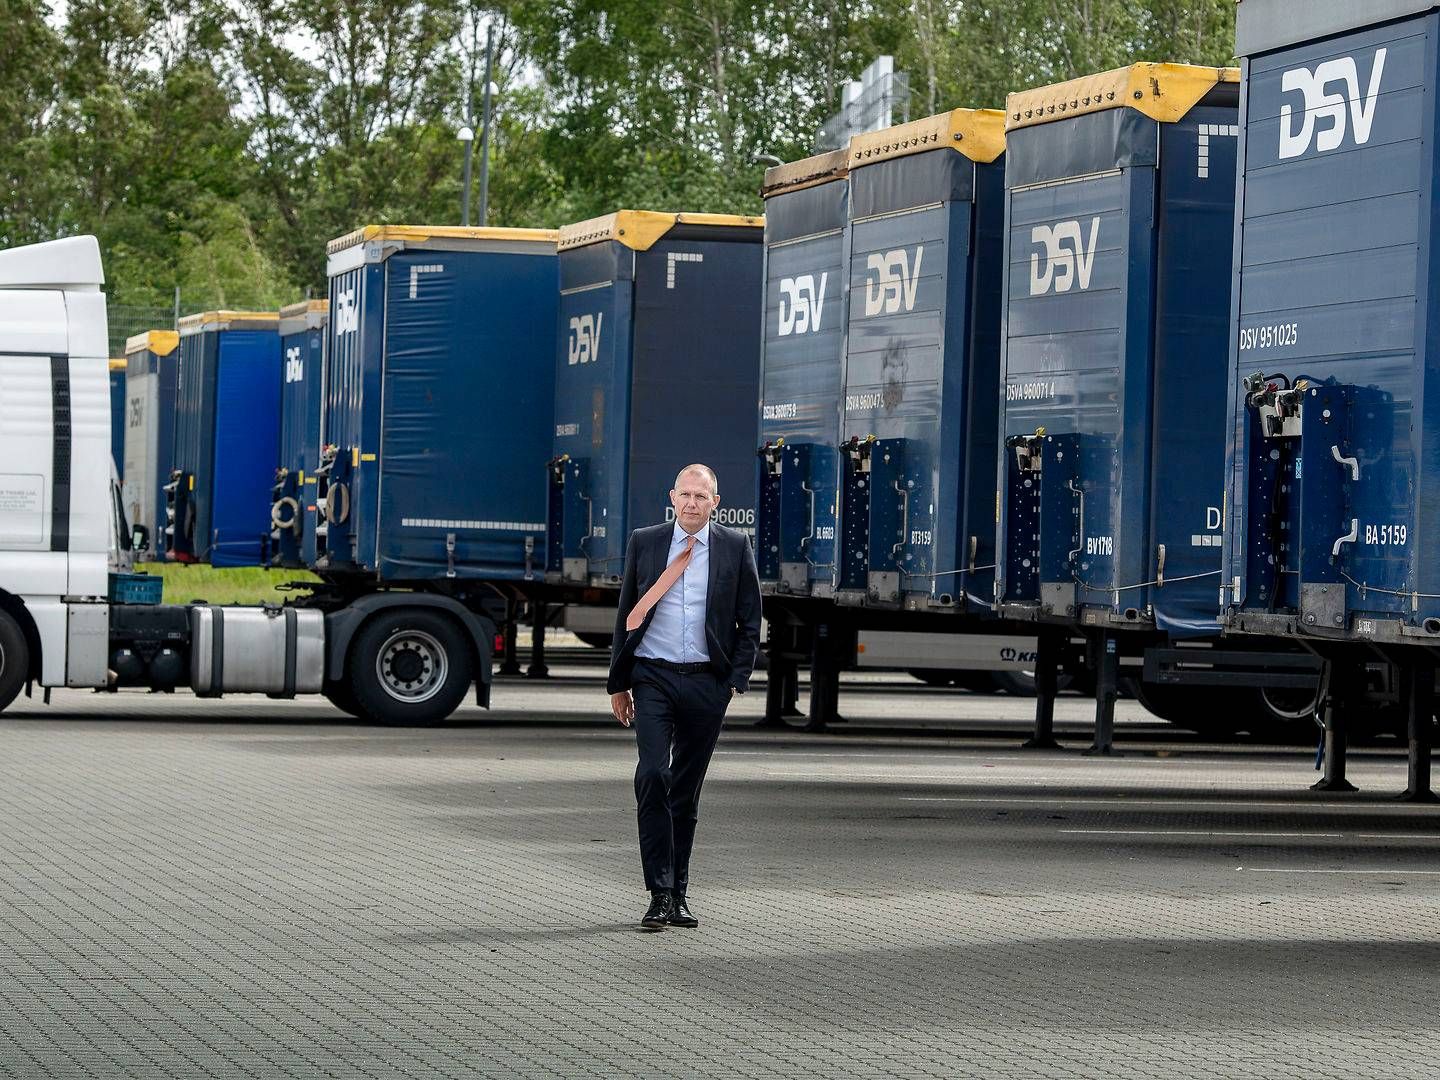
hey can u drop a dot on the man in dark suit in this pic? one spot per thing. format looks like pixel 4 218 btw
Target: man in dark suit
pixel 686 637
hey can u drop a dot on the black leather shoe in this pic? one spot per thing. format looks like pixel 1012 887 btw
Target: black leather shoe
pixel 680 912
pixel 658 917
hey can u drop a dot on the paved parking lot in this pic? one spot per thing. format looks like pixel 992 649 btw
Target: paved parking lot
pixel 251 888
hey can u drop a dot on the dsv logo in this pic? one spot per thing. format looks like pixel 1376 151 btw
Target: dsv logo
pixel 294 365
pixel 584 345
pixel 1069 256
pixel 801 303
pixel 1332 107
pixel 890 281
pixel 347 313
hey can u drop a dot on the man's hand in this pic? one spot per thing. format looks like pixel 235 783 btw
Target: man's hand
pixel 622 707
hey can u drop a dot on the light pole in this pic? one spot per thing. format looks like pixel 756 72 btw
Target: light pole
pixel 467 136
pixel 485 128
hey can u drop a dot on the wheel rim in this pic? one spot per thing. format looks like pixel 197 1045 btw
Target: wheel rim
pixel 412 666
pixel 1289 704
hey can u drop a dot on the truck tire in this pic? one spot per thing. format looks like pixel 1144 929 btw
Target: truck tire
pixel 14 659
pixel 340 695
pixel 1018 683
pixel 409 666
pixel 1284 714
pixel 1213 712
pixel 936 677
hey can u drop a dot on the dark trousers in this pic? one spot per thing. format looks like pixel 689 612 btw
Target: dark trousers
pixel 677 723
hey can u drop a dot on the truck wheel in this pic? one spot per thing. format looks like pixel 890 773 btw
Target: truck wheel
pixel 409 666
pixel 340 695
pixel 14 659
pixel 1285 714
pixel 1210 711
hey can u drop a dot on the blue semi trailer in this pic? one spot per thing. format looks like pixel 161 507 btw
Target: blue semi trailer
pixel 917 408
pixel 294 498
pixel 801 371
pixel 1333 515
pixel 439 389
pixel 878 383
pixel 1120 196
pixel 151 373
pixel 226 438
pixel 657 366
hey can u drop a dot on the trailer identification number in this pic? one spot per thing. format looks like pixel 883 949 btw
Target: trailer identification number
pixel 1386 535
pixel 921 537
pixel 787 411
pixel 1099 545
pixel 1276 336
pixel 824 532
pixel 1030 391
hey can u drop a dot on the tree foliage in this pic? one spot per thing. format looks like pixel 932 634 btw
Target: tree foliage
pixel 215 145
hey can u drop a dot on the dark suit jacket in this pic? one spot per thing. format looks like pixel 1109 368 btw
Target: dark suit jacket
pixel 732 603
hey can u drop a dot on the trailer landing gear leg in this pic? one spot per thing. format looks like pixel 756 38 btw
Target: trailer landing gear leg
pixel 1107 679
pixel 1418 685
pixel 780 678
pixel 538 668
pixel 824 680
pixel 1047 680
pixel 1335 705
pixel 792 691
pixel 511 664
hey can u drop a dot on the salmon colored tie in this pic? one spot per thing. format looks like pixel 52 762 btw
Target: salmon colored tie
pixel 661 587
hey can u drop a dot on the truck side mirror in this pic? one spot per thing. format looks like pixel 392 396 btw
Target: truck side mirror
pixel 139 538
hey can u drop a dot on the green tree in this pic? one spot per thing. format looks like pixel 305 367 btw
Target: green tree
pixel 30 53
pixel 363 131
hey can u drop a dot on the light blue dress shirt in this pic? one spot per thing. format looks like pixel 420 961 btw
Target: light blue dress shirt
pixel 677 631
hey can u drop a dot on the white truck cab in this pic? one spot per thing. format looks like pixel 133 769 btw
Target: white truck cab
pixel 391 656
pixel 57 530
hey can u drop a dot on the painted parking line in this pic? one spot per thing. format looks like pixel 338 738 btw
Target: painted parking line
pixel 1204 832
pixel 1039 800
pixel 1240 832
pixel 1302 870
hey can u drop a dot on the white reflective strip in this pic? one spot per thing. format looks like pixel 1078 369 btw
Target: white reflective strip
pixel 1202 160
pixel 416 271
pixel 679 256
pixel 498 526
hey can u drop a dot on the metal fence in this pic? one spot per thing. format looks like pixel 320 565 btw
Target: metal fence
pixel 127 320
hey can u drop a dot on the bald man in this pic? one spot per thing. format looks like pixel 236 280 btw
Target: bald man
pixel 686 637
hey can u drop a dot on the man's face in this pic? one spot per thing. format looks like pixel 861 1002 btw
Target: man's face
pixel 693 501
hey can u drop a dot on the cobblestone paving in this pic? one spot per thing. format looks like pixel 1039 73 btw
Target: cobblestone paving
pixel 255 889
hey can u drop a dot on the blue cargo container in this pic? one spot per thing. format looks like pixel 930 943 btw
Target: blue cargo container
pixel 438 399
pixel 294 500
pixel 117 415
pixel 658 366
pixel 151 370
pixel 1332 528
pixel 227 429
pixel 801 368
pixel 1120 193
pixel 917 421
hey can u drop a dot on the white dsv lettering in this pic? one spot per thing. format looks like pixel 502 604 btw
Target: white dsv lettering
pixel 1068 257
pixel 893 283
pixel 1333 106
pixel 801 303
pixel 584 345
pixel 294 365
pixel 347 313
